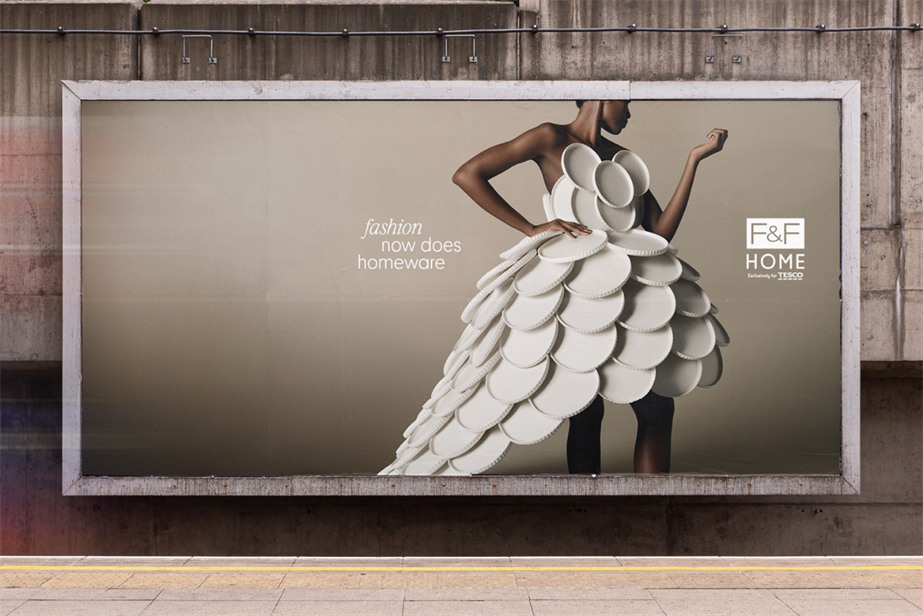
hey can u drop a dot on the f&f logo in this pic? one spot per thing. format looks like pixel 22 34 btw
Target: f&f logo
pixel 775 233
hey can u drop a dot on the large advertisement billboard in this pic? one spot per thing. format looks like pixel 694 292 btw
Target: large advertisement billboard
pixel 385 292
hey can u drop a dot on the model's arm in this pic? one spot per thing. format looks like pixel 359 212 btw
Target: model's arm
pixel 474 178
pixel 665 222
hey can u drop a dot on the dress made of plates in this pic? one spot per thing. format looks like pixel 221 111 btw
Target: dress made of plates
pixel 561 320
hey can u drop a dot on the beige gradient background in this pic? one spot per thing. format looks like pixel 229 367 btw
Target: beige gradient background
pixel 228 330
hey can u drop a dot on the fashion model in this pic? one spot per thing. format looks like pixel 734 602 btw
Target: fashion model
pixel 592 304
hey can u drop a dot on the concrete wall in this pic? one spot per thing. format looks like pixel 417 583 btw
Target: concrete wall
pixel 885 519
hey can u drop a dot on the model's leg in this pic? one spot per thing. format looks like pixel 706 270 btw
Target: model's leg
pixel 583 439
pixel 655 430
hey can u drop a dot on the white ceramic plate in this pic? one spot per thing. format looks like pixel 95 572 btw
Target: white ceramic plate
pixel 599 275
pixel 677 376
pixel 579 162
pixel 624 385
pixel 424 464
pixel 451 401
pixel 493 305
pixel 646 307
pixel 637 242
pixel 467 339
pixel 480 411
pixel 637 206
pixel 721 336
pixel 526 426
pixel 469 375
pixel 546 205
pixel 489 450
pixel 525 348
pixel 489 276
pixel 689 272
pixel 421 417
pixel 584 352
pixel 566 393
pixel 691 300
pixel 622 219
pixel 693 338
pixel 587 212
pixel 564 248
pixel 527 244
pixel 659 271
pixel 454 362
pixel 562 199
pixel 540 276
pixel 486 346
pixel 612 184
pixel 640 175
pixel 712 367
pixel 510 384
pixel 453 440
pixel 527 313
pixel 643 350
pixel 426 430
pixel 591 315
pixel 510 271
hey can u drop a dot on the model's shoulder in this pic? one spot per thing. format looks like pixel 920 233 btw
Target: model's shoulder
pixel 546 135
pixel 608 149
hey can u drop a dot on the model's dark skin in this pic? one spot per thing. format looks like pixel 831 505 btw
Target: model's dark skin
pixel 544 145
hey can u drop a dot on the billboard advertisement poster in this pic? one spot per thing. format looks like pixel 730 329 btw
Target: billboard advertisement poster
pixel 613 286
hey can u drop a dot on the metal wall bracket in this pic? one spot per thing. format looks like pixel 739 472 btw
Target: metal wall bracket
pixel 211 48
pixel 710 59
pixel 473 58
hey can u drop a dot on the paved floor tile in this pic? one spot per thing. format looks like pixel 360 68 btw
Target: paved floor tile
pixel 132 561
pixel 592 608
pixel 320 580
pixel 710 579
pixel 547 579
pixel 243 580
pixel 824 594
pixel 82 608
pixel 467 608
pixel 210 608
pixel 854 608
pixel 129 594
pixel 672 561
pixel 789 579
pixel 87 579
pixel 8 605
pixel 877 561
pixel 16 594
pixel 692 602
pixel 498 579
pixel 338 608
pixel 467 594
pixel 219 594
pixel 398 580
pixel 165 580
pixel 68 594
pixel 589 594
pixel 914 595
pixel 875 579
pixel 427 561
pixel 634 579
pixel 24 579
pixel 343 594
pixel 772 561
pixel 238 562
pixel 554 561
pixel 348 561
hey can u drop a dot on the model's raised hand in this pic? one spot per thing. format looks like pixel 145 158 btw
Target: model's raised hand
pixel 713 144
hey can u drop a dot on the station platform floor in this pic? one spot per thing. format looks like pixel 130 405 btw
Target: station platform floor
pixel 509 586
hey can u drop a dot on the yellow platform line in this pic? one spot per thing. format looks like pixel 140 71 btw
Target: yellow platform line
pixel 437 569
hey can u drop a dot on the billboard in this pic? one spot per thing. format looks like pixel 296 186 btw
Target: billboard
pixel 350 288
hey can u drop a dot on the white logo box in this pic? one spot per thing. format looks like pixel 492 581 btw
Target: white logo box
pixel 775 233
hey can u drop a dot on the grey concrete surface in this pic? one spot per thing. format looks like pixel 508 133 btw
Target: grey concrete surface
pixel 35 518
